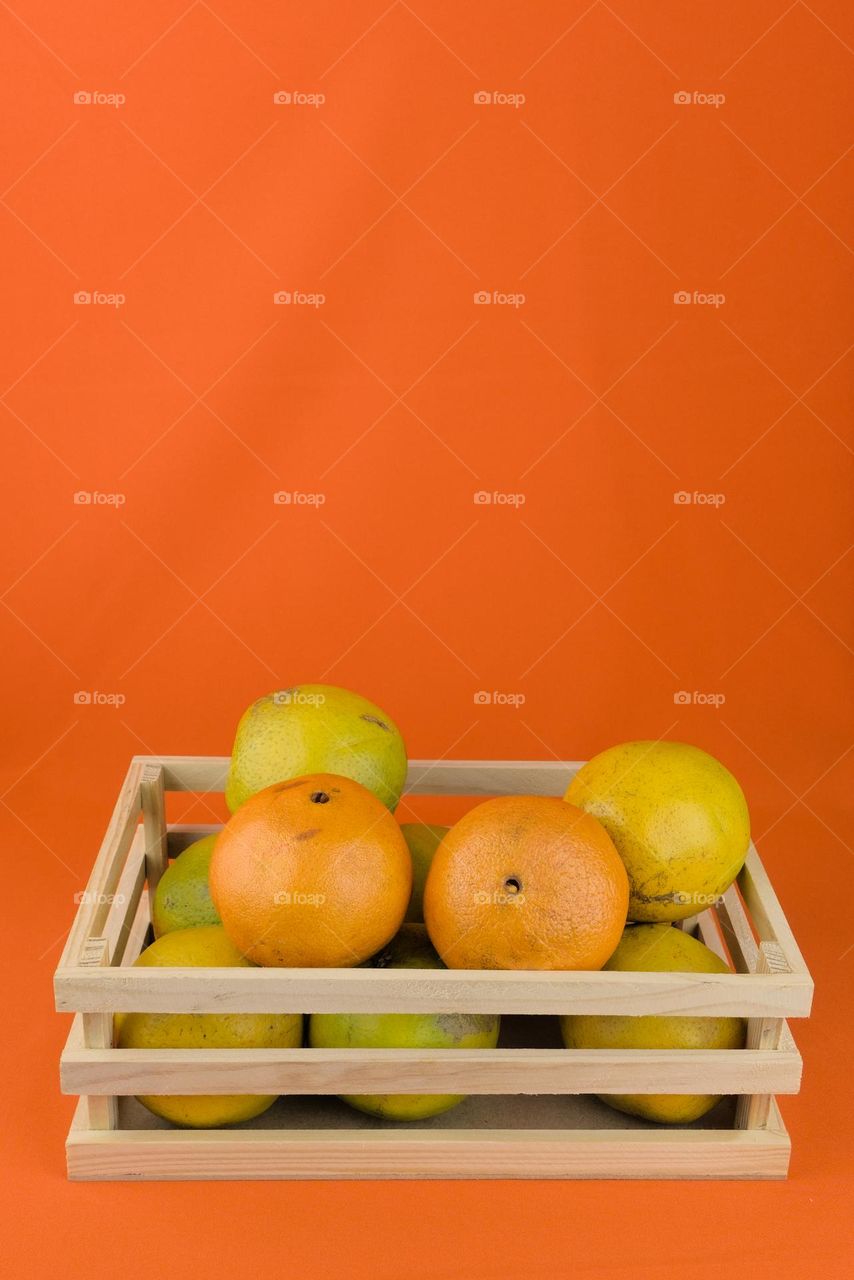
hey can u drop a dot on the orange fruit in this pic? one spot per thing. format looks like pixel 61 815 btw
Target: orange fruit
pixel 311 872
pixel 526 882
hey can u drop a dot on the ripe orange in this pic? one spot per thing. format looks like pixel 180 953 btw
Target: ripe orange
pixel 526 882
pixel 311 872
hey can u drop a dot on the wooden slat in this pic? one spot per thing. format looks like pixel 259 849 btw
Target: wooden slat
pixel 138 931
pixel 425 777
pixel 97 1034
pixel 94 907
pixel 709 932
pixel 467 1071
pixel 427 1153
pixel 762 1033
pixel 119 922
pixel 737 932
pixel 257 990
pixel 153 802
pixel 765 911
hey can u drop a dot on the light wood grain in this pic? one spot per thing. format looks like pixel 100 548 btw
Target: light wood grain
pixel 138 931
pixel 193 990
pixel 95 904
pixel 96 1032
pixel 466 1071
pixel 424 778
pixel 153 802
pixel 765 910
pixel 709 933
pixel 122 914
pixel 450 1154
pixel 737 932
pixel 762 1033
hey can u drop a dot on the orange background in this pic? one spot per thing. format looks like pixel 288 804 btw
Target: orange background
pixel 398 398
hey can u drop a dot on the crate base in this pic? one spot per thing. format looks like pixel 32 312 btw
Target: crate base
pixel 542 1137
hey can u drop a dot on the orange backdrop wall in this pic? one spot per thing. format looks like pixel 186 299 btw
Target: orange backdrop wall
pixel 490 359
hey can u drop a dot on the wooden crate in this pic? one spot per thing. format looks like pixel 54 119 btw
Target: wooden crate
pixel 536 1124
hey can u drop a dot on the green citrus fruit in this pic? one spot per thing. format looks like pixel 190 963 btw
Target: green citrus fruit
pixel 182 898
pixel 422 840
pixel 678 818
pixel 316 728
pixel 410 949
pixel 657 948
pixel 204 946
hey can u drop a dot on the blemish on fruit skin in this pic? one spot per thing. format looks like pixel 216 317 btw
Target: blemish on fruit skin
pixel 307 835
pixel 380 723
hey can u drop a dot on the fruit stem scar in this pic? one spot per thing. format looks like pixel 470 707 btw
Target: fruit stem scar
pixel 373 720
pixel 319 797
pixel 512 885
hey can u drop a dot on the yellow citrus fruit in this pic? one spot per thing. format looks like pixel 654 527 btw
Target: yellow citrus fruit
pixel 316 728
pixel 411 949
pixel 205 946
pixel 526 882
pixel 182 898
pixel 422 840
pixel 311 872
pixel 678 818
pixel 657 948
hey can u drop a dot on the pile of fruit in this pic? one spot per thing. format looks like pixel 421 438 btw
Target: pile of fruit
pixel 313 869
